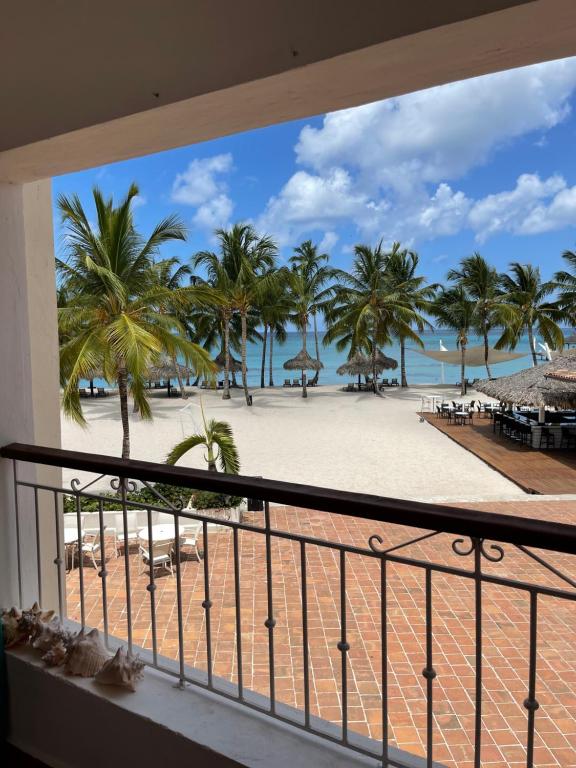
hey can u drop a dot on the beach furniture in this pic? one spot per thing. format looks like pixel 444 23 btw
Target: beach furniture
pixel 547 437
pixel 568 438
pixel 296 383
pixel 189 537
pixel 287 383
pixel 91 545
pixel 161 555
pixel 394 383
pixel 102 392
pixel 384 383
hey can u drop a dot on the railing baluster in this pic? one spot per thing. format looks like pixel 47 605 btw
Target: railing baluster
pixel 103 573
pixel 384 657
pixel 478 639
pixel 207 603
pixel 429 672
pixel 182 674
pixel 344 646
pixel 305 649
pixel 531 702
pixel 238 615
pixel 18 550
pixel 80 561
pixel 38 546
pixel 122 482
pixel 270 622
pixel 152 588
pixel 58 562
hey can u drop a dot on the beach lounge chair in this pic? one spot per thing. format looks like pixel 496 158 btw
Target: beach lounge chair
pixel 350 387
pixel 102 392
pixel 394 383
pixel 287 383
pixel 161 555
pixel 384 383
pixel 296 383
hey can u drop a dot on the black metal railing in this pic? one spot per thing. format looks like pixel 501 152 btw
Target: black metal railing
pixel 471 533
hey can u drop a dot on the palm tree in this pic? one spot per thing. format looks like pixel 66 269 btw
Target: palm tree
pixel 482 283
pixel 273 311
pixel 454 309
pixel 245 265
pixel 301 299
pixel 218 440
pixel 313 266
pixel 566 281
pixel 366 309
pixel 526 296
pixel 115 317
pixel 171 274
pixel 401 267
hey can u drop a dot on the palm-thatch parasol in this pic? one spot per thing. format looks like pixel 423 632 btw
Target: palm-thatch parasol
pixel 361 365
pixel 570 341
pixel 303 362
pixel 385 363
pixel 233 364
pixel 549 384
pixel 166 369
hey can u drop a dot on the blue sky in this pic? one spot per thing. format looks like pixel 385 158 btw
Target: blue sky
pixel 486 164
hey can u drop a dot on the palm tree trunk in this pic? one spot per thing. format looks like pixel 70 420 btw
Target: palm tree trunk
pixel 531 343
pixel 304 329
pixel 403 379
pixel 486 353
pixel 183 394
pixel 374 387
pixel 244 371
pixel 263 368
pixel 226 393
pixel 211 458
pixel 317 345
pixel 123 392
pixel 271 377
pixel 462 369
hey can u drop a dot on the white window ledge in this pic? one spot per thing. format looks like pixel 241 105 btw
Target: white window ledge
pixel 68 721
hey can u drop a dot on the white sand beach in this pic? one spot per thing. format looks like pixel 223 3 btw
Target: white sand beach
pixel 348 441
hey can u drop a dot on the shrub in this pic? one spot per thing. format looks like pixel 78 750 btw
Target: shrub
pixel 172 493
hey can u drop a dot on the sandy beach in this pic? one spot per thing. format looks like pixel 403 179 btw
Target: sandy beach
pixel 348 441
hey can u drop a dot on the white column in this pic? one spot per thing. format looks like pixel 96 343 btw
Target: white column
pixel 29 384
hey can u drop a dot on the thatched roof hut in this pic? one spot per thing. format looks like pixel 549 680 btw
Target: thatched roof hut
pixel 233 365
pixel 385 363
pixel 166 370
pixel 548 384
pixel 361 365
pixel 303 362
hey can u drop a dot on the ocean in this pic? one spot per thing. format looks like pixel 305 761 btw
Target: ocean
pixel 420 369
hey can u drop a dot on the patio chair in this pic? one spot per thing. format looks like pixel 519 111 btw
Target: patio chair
pixel 189 537
pixel 287 383
pixel 394 383
pixel 296 383
pixel 568 438
pixel 385 383
pixel 161 555
pixel 132 521
pixel 102 392
pixel 92 546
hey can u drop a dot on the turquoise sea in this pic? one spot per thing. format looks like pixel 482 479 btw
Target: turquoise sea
pixel 420 369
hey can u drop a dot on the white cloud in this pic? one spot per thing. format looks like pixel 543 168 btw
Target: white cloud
pixel 202 185
pixel 138 201
pixel 328 242
pixel 386 167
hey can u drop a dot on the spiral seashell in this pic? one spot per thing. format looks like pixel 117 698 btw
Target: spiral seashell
pixel 50 633
pixel 32 619
pixel 13 634
pixel 56 654
pixel 124 670
pixel 86 655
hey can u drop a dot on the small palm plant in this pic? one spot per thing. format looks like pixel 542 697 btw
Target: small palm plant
pixel 218 440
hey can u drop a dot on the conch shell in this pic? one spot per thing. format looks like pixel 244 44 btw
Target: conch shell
pixel 50 633
pixel 86 654
pixel 32 619
pixel 56 654
pixel 124 670
pixel 12 632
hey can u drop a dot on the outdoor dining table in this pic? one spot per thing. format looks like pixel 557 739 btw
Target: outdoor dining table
pixel 160 532
pixel 461 416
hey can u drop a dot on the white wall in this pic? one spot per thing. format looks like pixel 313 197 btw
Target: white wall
pixel 29 387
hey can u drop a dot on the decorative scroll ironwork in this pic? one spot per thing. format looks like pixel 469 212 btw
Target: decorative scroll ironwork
pixel 459 549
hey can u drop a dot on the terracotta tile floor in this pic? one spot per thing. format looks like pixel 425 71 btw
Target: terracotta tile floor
pixel 505 633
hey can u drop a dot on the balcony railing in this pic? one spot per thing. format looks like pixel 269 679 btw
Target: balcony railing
pixel 464 544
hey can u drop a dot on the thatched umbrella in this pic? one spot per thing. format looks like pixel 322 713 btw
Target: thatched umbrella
pixel 166 369
pixel 542 385
pixel 303 362
pixel 570 341
pixel 357 365
pixel 385 363
pixel 233 364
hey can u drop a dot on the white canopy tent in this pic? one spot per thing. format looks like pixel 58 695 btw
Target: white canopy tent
pixel 474 355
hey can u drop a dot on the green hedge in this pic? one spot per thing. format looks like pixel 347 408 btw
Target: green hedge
pixel 172 493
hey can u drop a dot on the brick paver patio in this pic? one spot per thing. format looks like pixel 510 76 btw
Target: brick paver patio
pixel 505 624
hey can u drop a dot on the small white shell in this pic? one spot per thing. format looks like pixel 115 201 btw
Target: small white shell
pixel 56 654
pixel 124 670
pixel 86 654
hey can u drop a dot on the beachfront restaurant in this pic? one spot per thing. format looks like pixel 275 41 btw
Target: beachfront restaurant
pixel 88 85
pixel 537 405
